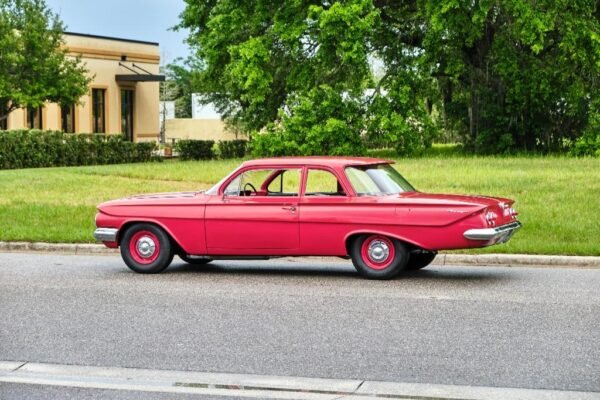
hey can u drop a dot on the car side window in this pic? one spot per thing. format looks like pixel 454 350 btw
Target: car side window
pixel 233 189
pixel 285 183
pixel 322 183
pixel 265 182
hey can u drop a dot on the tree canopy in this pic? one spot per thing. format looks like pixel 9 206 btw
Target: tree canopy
pixel 178 85
pixel 34 65
pixel 323 76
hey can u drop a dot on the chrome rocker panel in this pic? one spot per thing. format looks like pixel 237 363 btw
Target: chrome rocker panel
pixel 106 234
pixel 499 234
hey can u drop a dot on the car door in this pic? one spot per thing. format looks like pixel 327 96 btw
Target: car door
pixel 256 213
pixel 326 214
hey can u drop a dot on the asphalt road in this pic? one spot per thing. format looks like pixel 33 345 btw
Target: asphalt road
pixel 535 328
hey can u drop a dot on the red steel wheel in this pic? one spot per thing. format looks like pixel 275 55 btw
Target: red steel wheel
pixel 378 256
pixel 377 252
pixel 146 248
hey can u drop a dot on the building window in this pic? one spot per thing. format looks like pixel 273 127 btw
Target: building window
pixel 127 113
pixel 67 118
pixel 98 110
pixel 34 118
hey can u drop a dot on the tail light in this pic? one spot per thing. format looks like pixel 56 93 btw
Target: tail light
pixel 508 211
pixel 491 217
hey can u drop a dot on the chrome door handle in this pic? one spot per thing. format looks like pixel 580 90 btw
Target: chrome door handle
pixel 291 208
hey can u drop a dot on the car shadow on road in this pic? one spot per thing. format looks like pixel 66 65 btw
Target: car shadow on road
pixel 259 268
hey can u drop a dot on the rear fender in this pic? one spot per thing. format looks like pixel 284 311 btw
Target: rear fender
pixel 382 233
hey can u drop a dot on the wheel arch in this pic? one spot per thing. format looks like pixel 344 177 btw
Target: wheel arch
pixel 411 244
pixel 129 223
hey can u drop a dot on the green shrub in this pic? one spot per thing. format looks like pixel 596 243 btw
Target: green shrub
pixel 38 149
pixel 589 143
pixel 232 148
pixel 195 149
pixel 333 128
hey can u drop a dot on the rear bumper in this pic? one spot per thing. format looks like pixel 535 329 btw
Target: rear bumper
pixel 106 234
pixel 499 234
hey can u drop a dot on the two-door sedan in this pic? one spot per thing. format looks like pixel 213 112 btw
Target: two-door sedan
pixel 304 206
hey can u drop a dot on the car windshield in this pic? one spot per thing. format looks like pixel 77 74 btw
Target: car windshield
pixel 377 180
pixel 213 191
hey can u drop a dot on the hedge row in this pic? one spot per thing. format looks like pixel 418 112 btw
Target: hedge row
pixel 35 149
pixel 205 149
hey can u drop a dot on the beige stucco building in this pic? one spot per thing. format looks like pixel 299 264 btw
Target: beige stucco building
pixel 197 129
pixel 123 96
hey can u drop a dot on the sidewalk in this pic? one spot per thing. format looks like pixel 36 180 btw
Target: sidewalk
pixel 512 260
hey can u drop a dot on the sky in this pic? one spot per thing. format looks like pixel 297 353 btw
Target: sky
pixel 147 20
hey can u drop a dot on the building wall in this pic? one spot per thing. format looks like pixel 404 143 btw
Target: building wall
pixel 101 57
pixel 198 129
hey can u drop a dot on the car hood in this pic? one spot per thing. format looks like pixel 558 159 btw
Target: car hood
pixel 162 196
pixel 154 199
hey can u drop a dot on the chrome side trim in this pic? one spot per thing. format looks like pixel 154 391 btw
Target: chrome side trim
pixel 500 233
pixel 106 234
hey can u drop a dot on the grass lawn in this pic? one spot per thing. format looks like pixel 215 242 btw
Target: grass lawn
pixel 558 198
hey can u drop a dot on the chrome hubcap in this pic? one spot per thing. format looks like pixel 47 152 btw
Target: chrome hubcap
pixel 145 247
pixel 379 251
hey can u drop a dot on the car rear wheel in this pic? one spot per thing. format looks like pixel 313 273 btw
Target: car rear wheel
pixel 146 249
pixel 378 257
pixel 420 260
pixel 194 261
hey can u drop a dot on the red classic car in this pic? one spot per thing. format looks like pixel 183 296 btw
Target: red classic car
pixel 304 206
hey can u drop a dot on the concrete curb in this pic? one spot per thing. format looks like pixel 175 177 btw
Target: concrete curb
pixel 67 248
pixel 520 260
pixel 260 386
pixel 512 260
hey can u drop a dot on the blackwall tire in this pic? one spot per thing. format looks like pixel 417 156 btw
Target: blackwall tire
pixel 418 261
pixel 378 257
pixel 146 249
pixel 195 261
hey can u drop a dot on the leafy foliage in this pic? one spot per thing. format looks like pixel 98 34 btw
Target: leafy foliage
pixel 34 66
pixel 195 149
pixel 589 143
pixel 178 86
pixel 516 74
pixel 298 70
pixel 333 128
pixel 37 149
pixel 505 75
pixel 232 148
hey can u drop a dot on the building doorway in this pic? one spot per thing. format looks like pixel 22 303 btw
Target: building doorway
pixel 127 104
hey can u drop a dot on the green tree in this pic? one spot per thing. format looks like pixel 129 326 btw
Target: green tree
pixel 34 65
pixel 505 74
pixel 178 85
pixel 515 74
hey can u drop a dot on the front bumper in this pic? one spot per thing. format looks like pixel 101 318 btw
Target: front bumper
pixel 106 234
pixel 498 234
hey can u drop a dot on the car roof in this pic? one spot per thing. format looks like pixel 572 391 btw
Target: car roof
pixel 317 160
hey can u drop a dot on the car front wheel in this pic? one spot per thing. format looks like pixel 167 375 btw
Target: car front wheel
pixel 378 257
pixel 146 249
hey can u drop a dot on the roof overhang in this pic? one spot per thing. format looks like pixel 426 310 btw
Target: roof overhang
pixel 139 78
